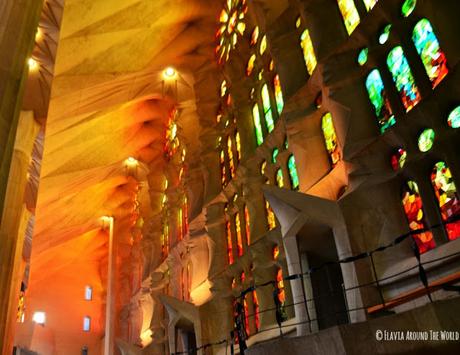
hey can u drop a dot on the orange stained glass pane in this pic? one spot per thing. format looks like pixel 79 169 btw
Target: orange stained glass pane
pixel 239 236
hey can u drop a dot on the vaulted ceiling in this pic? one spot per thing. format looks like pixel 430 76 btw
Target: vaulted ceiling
pixel 108 100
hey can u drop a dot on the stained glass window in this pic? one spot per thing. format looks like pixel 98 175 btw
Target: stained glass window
pixel 403 78
pixel 255 302
pixel 279 178
pixel 231 26
pixel 165 239
pixel 278 94
pixel 398 159
pixel 413 207
pixel 379 99
pixel 223 88
pixel 255 36
pixel 185 216
pixel 293 173
pixel 298 22
pixel 239 235
pixel 330 138
pixel 247 225
pixel 350 14
pixel 454 118
pixel 246 316
pixel 383 38
pixel 426 140
pixel 231 161
pixel 228 230
pixel 180 223
pixel 263 45
pixel 270 216
pixel 250 66
pixel 280 284
pixel 446 193
pixel 223 169
pixel 408 7
pixel 263 166
pixel 308 51
pixel 430 52
pixel 238 146
pixel 276 252
pixel 275 153
pixel 362 56
pixel 257 124
pixel 370 4
pixel 267 108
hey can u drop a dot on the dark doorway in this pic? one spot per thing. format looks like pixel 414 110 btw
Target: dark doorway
pixel 185 337
pixel 317 245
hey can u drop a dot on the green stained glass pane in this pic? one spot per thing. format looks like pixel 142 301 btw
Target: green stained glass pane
pixel 308 51
pixel 275 155
pixel 408 7
pixel 403 78
pixel 426 140
pixel 330 138
pixel 454 118
pixel 267 109
pixel 362 56
pixel 257 124
pixel 370 4
pixel 286 143
pixel 293 173
pixel 378 97
pixel 385 34
pixel 278 94
pixel 279 178
pixel 430 52
pixel 349 13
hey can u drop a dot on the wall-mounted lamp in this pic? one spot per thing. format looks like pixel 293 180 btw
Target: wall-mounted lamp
pixel 33 64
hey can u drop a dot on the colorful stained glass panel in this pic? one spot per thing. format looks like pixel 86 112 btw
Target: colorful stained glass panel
pixel 426 140
pixel 413 208
pixel 403 78
pixel 330 138
pixel 257 124
pixel 446 193
pixel 308 51
pixel 378 97
pixel 454 118
pixel 349 13
pixel 430 52
pixel 293 173
pixel 267 108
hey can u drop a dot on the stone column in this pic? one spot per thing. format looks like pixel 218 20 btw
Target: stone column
pixel 308 288
pixel 11 233
pixel 294 267
pixel 18 25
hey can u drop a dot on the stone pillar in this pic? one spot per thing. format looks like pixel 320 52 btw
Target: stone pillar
pixel 308 289
pixel 110 303
pixel 18 24
pixel 11 233
pixel 294 267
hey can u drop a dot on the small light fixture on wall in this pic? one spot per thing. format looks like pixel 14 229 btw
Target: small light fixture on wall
pixel 39 318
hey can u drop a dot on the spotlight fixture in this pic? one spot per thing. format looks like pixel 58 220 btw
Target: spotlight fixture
pixel 33 64
pixel 131 161
pixel 39 318
pixel 169 73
